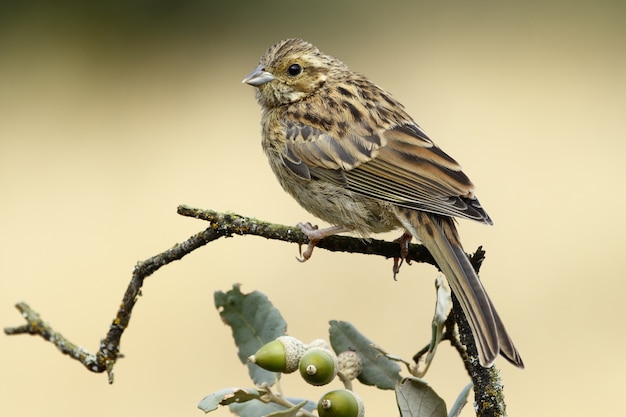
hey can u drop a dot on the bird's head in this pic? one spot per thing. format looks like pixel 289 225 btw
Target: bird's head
pixel 291 70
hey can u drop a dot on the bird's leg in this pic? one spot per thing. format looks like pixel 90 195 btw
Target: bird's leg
pixel 404 241
pixel 316 234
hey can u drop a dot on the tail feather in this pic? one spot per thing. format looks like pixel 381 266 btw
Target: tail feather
pixel 507 348
pixel 439 236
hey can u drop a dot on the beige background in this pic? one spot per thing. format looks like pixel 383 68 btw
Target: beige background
pixel 112 116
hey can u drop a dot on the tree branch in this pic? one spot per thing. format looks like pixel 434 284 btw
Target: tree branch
pixel 486 381
pixel 233 224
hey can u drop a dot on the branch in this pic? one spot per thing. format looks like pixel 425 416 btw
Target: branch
pixel 487 384
pixel 233 224
pixel 221 225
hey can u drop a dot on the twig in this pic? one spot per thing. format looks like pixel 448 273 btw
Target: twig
pixel 486 382
pixel 269 397
pixel 233 224
pixel 36 326
pixel 221 225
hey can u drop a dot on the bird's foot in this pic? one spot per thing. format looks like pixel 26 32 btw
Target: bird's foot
pixel 315 234
pixel 404 241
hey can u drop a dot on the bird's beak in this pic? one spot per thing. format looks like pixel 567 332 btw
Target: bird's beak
pixel 258 77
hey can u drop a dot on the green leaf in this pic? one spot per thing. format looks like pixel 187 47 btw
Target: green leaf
pixel 417 399
pixel 254 322
pixel 377 369
pixel 461 400
pixel 227 396
pixel 260 409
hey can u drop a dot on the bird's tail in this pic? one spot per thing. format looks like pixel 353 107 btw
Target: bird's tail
pixel 440 237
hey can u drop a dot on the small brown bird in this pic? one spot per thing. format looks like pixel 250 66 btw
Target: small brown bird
pixel 349 153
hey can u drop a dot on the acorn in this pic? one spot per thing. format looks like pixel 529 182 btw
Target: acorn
pixel 318 366
pixel 340 403
pixel 350 365
pixel 280 355
pixel 319 343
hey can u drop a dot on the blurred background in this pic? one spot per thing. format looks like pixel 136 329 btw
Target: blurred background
pixel 113 113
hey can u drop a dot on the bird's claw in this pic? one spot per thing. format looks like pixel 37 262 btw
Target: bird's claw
pixel 309 230
pixel 306 255
pixel 397 263
pixel 404 241
pixel 316 234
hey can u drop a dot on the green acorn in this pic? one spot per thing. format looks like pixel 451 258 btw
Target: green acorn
pixel 280 355
pixel 318 366
pixel 340 403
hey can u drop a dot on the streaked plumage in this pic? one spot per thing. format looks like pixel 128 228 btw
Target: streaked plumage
pixel 350 154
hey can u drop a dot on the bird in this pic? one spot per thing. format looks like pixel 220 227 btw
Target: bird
pixel 349 153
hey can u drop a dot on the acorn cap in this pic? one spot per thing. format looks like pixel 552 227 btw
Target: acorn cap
pixel 350 365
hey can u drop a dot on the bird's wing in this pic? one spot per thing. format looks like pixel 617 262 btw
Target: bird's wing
pixel 400 165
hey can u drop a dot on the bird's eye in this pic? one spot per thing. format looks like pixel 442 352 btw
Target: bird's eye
pixel 294 69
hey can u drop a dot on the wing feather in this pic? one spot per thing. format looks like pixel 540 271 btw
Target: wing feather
pixel 315 147
pixel 400 165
